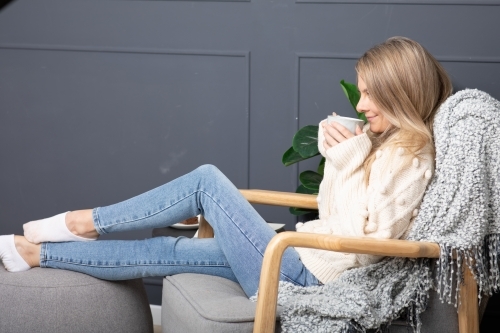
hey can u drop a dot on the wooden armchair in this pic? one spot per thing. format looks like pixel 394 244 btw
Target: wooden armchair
pixel 265 320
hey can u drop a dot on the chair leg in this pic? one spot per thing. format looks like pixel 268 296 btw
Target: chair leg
pixel 468 311
pixel 205 230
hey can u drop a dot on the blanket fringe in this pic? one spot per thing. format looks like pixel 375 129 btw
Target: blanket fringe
pixel 483 262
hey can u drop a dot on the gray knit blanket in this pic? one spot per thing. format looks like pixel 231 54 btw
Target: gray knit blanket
pixel 460 211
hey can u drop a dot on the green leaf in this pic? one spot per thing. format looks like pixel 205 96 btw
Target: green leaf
pixel 321 167
pixel 300 211
pixel 291 156
pixel 305 141
pixel 311 179
pixel 304 190
pixel 303 211
pixel 352 93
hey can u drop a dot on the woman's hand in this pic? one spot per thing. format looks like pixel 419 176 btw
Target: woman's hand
pixel 335 133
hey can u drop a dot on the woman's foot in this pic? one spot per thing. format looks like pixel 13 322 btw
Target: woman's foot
pixel 17 254
pixel 81 224
pixel 66 227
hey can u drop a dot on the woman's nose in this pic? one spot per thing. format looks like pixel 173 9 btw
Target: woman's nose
pixel 360 107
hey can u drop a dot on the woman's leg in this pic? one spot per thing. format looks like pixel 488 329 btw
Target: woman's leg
pixel 241 234
pixel 121 260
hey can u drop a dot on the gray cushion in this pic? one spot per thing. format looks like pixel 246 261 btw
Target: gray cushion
pixel 51 300
pixel 203 303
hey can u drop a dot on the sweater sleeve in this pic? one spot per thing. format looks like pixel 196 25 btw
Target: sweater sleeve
pixel 321 138
pixel 343 162
pixel 342 153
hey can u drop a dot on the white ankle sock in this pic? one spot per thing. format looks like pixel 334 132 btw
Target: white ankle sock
pixel 52 229
pixel 11 259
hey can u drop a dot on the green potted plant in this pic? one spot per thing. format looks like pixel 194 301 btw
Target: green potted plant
pixel 305 146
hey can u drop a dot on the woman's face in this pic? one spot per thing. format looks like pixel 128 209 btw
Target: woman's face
pixel 378 123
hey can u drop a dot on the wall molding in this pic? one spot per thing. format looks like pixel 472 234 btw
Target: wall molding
pixel 355 56
pixel 103 49
pixel 408 2
pixel 158 51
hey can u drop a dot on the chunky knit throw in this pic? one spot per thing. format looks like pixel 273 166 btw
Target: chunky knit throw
pixel 460 211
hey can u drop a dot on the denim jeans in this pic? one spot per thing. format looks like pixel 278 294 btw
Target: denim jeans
pixel 235 253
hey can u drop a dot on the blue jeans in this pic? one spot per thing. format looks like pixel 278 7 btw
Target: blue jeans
pixel 235 253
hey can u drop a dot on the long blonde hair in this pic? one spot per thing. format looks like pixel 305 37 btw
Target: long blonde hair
pixel 408 85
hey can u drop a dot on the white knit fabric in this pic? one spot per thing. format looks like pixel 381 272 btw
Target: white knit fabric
pixel 348 207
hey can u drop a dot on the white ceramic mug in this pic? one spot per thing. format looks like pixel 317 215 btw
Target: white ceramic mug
pixel 349 123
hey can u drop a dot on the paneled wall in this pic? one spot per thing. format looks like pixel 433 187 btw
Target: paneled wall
pixel 102 100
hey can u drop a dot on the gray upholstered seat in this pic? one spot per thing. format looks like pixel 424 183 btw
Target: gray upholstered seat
pixel 51 300
pixel 203 303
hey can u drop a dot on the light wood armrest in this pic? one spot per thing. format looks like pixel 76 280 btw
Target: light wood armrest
pixel 273 198
pixel 276 198
pixel 269 279
pixel 362 245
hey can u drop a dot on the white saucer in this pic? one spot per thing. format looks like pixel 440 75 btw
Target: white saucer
pixel 185 226
pixel 276 226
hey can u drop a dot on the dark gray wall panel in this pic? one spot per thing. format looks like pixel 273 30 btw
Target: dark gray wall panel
pixel 83 129
pixel 151 24
pixel 352 29
pixel 320 93
pixel 477 75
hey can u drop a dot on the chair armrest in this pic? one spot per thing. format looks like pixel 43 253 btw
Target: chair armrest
pixel 362 245
pixel 269 279
pixel 276 198
pixel 273 198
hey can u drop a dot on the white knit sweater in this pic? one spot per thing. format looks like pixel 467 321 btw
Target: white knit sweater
pixel 348 207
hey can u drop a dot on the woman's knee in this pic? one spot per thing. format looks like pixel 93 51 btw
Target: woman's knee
pixel 210 176
pixel 209 170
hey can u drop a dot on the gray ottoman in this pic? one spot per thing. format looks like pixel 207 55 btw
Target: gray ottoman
pixel 47 300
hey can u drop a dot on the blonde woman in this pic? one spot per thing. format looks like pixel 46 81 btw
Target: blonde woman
pixel 374 182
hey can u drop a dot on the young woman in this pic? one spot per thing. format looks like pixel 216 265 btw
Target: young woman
pixel 373 184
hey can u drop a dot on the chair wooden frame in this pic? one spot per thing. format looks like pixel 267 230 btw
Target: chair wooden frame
pixel 265 317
